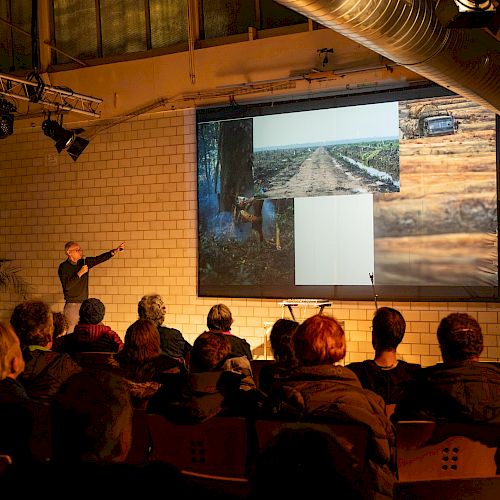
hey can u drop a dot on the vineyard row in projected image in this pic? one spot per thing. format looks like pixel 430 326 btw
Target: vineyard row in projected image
pixel 310 203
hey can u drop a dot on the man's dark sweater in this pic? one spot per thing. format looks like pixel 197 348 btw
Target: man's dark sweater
pixel 76 289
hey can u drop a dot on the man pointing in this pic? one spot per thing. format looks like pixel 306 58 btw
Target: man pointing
pixel 74 276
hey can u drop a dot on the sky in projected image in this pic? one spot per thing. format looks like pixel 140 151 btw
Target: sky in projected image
pixel 337 151
pixel 366 122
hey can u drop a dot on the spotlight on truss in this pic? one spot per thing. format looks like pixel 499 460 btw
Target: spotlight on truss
pixel 64 138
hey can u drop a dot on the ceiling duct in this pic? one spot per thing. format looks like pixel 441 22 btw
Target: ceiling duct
pixel 467 61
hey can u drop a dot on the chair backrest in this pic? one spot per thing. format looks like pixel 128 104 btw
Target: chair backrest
pixel 477 488
pixel 256 365
pixel 141 441
pixel 427 450
pixel 41 433
pixel 351 437
pixel 216 447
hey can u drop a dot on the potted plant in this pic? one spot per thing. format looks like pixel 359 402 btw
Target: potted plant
pixel 10 279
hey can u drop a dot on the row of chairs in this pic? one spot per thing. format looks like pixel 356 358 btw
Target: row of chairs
pixel 221 449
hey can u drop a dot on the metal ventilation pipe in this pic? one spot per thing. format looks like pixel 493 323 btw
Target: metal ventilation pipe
pixel 467 61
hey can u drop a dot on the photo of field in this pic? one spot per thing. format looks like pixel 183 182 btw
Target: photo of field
pixel 328 152
pixel 441 228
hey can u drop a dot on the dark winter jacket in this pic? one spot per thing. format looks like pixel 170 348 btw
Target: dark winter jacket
pixel 45 371
pixel 333 394
pixel 466 391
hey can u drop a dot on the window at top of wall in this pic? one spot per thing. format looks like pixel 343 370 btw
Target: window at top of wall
pixel 169 22
pixel 15 47
pixel 75 29
pixel 227 17
pixel 273 15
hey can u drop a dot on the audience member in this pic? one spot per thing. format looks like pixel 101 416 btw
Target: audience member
pixel 220 319
pixel 142 362
pixel 16 408
pixel 386 374
pixel 172 342
pixel 284 359
pixel 218 381
pixel 302 462
pixel 320 389
pixel 90 335
pixel 61 324
pixel 92 435
pixel 461 388
pixel 45 370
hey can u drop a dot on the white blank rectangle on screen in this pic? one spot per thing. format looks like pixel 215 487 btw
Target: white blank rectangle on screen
pixel 334 242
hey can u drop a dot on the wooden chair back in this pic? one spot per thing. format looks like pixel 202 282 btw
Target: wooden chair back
pixel 478 488
pixel 216 447
pixel 141 442
pixel 430 451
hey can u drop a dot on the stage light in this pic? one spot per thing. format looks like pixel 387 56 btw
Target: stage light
pixel 64 139
pixel 6 118
pixel 465 14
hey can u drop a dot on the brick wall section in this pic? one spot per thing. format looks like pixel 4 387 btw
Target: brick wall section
pixel 136 182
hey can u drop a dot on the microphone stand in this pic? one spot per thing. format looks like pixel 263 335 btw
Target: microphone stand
pixel 375 296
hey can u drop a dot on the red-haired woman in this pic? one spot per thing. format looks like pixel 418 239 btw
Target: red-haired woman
pixel 320 388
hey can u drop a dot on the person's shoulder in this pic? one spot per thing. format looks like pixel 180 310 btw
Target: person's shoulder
pixel 359 365
pixel 168 330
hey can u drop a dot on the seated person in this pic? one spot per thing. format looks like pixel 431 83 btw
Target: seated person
pixel 142 363
pixel 90 335
pixel 321 389
pixel 92 425
pixel 16 408
pixel 220 319
pixel 218 381
pixel 172 342
pixel 386 374
pixel 61 324
pixel 461 388
pixel 45 370
pixel 284 359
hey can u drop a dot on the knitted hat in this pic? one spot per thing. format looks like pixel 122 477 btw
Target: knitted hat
pixel 92 311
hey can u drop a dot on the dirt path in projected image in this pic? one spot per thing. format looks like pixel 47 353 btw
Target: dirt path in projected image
pixel 319 175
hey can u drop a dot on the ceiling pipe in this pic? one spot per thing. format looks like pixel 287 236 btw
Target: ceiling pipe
pixel 466 61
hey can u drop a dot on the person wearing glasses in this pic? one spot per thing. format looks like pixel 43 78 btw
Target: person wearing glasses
pixel 74 276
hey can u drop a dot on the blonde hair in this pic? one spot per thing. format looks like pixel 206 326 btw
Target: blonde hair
pixel 9 350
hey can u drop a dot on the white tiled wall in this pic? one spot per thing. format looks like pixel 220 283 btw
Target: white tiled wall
pixel 136 182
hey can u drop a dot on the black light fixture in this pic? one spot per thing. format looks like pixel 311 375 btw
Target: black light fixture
pixel 65 139
pixel 6 118
pixel 465 14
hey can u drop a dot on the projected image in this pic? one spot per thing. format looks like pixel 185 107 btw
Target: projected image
pixel 326 152
pixel 243 240
pixel 315 204
pixel 441 229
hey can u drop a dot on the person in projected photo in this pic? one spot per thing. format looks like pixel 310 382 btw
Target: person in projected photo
pixel 74 277
pixel 461 388
pixel 220 319
pixel 386 374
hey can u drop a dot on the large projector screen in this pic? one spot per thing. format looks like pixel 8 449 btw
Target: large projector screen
pixel 390 193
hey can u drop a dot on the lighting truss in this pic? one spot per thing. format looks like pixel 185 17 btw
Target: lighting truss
pixel 52 97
